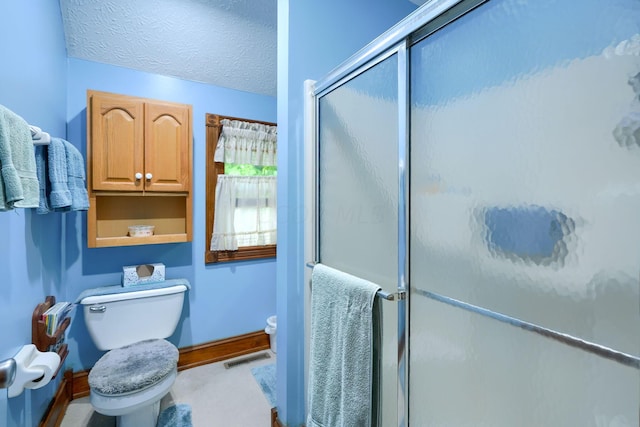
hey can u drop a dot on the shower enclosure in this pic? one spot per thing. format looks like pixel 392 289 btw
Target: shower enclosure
pixel 481 161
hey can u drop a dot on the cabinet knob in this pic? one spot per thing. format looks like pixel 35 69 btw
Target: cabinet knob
pixel 148 176
pixel 138 175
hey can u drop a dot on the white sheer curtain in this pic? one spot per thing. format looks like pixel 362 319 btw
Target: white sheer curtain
pixel 245 212
pixel 247 143
pixel 245 206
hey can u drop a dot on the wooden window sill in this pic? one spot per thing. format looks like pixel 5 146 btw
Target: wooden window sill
pixel 242 254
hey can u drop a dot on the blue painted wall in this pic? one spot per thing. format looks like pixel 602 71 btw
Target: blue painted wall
pixel 227 299
pixel 313 38
pixel 32 84
pixel 47 255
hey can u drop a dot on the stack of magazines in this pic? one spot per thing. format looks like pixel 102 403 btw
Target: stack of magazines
pixel 55 315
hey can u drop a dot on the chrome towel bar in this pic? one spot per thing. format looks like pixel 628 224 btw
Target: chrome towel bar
pixel 382 294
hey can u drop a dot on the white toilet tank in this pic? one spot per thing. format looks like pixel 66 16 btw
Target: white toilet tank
pixel 118 319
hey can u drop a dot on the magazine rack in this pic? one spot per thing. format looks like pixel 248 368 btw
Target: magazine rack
pixel 44 341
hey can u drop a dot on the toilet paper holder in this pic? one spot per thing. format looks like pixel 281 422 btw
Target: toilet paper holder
pixel 36 364
pixel 29 368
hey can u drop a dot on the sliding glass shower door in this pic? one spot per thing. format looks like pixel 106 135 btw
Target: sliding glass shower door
pixel 525 217
pixel 521 217
pixel 358 199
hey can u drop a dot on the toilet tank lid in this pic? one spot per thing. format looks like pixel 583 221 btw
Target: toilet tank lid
pixel 114 292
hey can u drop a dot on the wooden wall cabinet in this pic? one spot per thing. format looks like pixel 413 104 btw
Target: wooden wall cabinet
pixel 139 169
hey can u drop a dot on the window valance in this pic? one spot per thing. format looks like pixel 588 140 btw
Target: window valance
pixel 247 143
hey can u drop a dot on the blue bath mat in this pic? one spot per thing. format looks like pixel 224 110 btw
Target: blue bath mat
pixel 266 377
pixel 176 416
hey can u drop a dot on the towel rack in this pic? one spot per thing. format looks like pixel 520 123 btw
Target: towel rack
pixel 389 296
pixel 38 136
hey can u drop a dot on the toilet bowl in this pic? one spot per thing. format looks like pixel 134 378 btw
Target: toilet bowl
pixel 140 367
pixel 129 382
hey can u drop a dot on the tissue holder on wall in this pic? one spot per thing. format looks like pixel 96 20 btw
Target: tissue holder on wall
pixel 34 369
pixel 140 274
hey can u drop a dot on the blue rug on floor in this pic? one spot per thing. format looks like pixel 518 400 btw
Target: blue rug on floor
pixel 175 416
pixel 266 377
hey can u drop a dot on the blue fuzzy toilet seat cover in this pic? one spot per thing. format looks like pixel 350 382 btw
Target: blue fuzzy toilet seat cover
pixel 133 367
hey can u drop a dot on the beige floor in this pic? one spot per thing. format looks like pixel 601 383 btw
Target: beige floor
pixel 218 397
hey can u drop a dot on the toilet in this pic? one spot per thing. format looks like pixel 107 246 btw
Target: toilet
pixel 140 366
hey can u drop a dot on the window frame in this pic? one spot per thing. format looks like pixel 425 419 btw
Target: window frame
pixel 213 124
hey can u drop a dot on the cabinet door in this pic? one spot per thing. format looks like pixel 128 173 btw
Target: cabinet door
pixel 117 126
pixel 167 147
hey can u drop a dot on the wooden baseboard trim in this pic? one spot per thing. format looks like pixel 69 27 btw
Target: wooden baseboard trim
pixel 58 406
pixel 215 351
pixel 275 421
pixel 197 355
pixel 80 386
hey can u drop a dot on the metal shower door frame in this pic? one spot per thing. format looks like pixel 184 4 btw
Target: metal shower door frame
pixel 430 17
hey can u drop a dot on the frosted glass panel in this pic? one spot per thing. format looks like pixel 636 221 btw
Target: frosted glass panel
pixel 525 160
pixel 468 370
pixel 359 176
pixel 359 197
pixel 525 200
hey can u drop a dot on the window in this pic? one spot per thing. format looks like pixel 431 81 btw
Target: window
pixel 529 233
pixel 247 197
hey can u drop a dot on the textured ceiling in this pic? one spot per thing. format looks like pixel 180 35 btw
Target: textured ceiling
pixel 227 43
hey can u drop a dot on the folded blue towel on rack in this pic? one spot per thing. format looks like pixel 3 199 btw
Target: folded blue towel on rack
pixel 60 196
pixel 19 186
pixel 75 178
pixel 42 166
pixel 62 177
